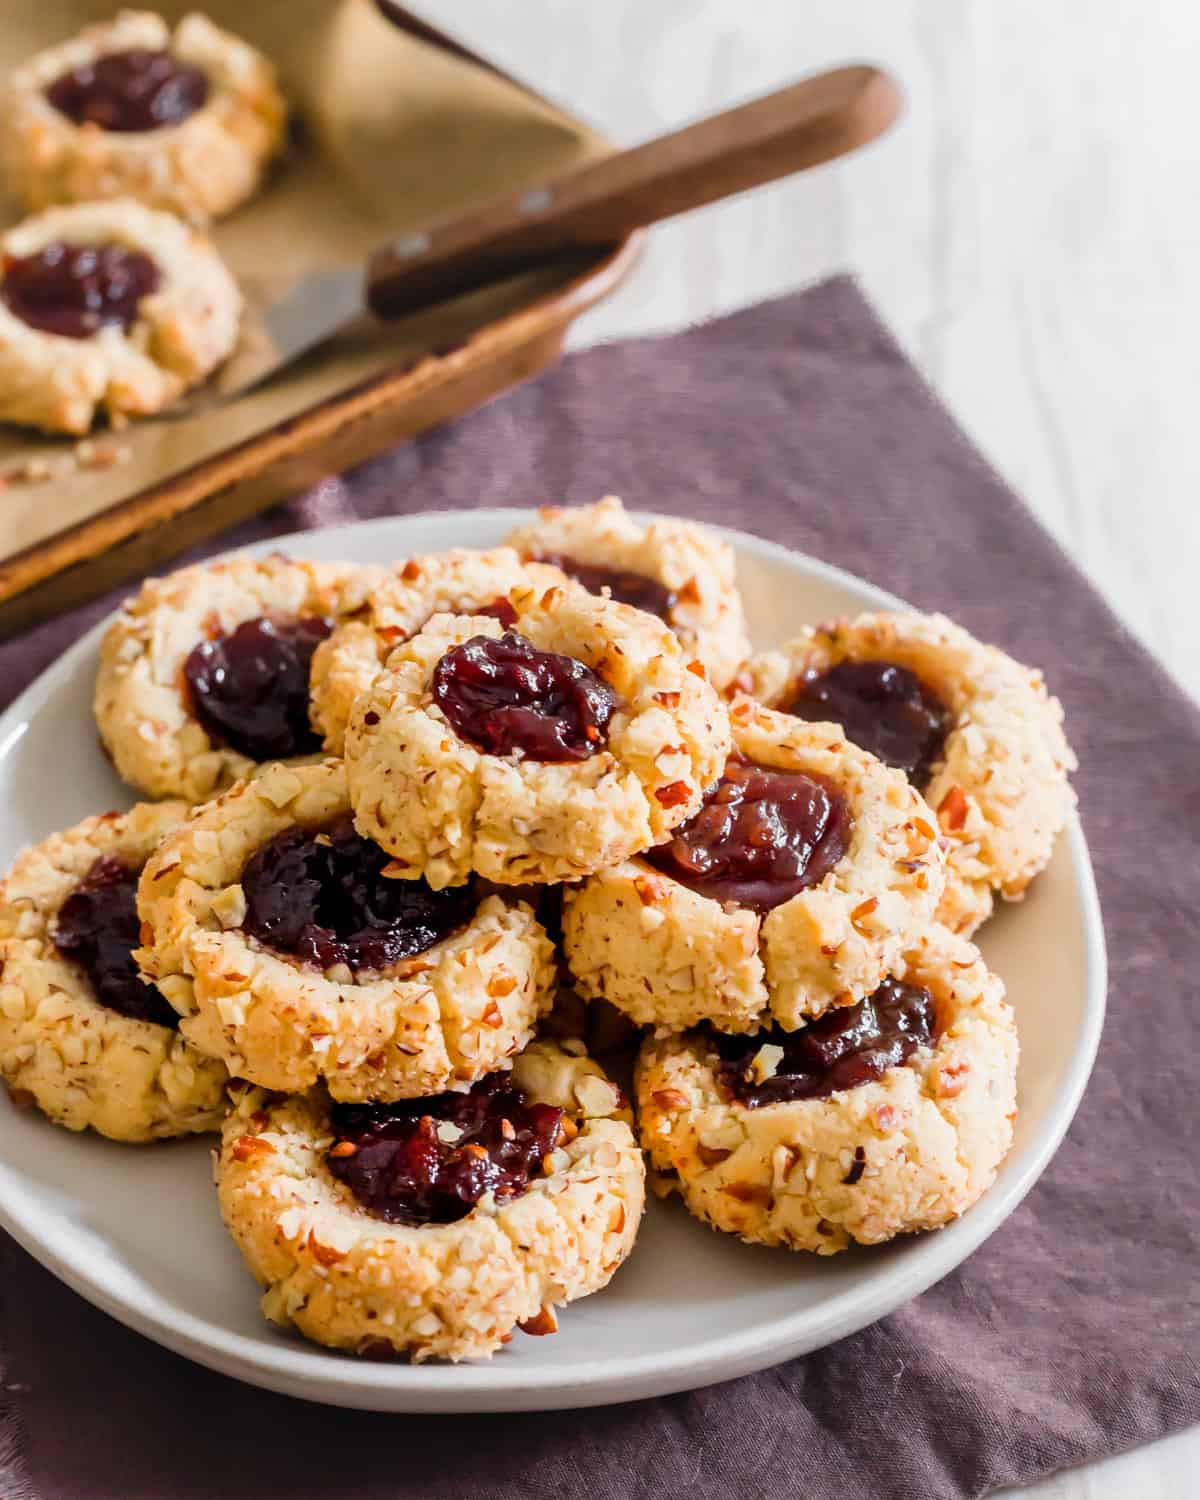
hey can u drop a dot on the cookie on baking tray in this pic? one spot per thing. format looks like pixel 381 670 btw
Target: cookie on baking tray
pixel 296 956
pixel 81 1036
pixel 808 870
pixel 570 735
pixel 204 674
pixel 108 308
pixel 974 730
pixel 461 582
pixel 436 1228
pixel 184 120
pixel 881 1118
pixel 673 569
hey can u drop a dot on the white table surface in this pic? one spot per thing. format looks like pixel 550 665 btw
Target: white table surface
pixel 1029 230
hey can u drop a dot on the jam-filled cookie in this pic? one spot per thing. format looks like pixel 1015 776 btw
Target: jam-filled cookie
pixel 537 748
pixel 108 307
pixel 673 569
pixel 973 730
pixel 183 120
pixel 461 582
pixel 295 954
pixel 882 1118
pixel 795 888
pixel 204 674
pixel 435 1228
pixel 81 1036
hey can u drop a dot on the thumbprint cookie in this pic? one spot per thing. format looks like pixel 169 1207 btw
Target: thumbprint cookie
pixel 81 1035
pixel 435 1228
pixel 183 120
pixel 296 953
pixel 673 569
pixel 794 888
pixel 973 730
pixel 878 1119
pixel 538 748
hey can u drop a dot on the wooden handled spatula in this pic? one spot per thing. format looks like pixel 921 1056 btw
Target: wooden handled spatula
pixel 593 205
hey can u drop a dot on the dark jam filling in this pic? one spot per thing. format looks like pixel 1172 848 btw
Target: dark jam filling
pixel 139 89
pixel 761 837
pixel 625 586
pixel 506 695
pixel 72 290
pixel 322 898
pixel 883 708
pixel 402 1170
pixel 250 688
pixel 499 609
pixel 98 929
pixel 845 1047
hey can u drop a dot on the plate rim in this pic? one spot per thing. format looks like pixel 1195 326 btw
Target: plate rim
pixel 306 1371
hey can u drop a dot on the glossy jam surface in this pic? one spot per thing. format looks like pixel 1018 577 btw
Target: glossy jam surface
pixel 843 1048
pixel 98 928
pixel 73 290
pixel 250 688
pixel 429 1161
pixel 761 837
pixel 138 89
pixel 321 897
pixel 506 695
pixel 883 708
pixel 624 585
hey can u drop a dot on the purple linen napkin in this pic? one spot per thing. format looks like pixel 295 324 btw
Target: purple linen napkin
pixel 1075 1331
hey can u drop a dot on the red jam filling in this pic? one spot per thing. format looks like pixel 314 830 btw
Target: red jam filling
pixel 98 928
pixel 73 290
pixel 250 688
pixel 883 708
pixel 429 1161
pixel 138 89
pixel 323 898
pixel 626 586
pixel 761 837
pixel 842 1049
pixel 506 695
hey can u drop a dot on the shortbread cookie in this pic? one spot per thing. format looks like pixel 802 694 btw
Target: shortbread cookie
pixel 674 569
pixel 108 307
pixel 461 582
pixel 296 956
pixel 889 1117
pixel 80 1035
pixel 477 1214
pixel 808 871
pixel 974 730
pixel 183 120
pixel 204 674
pixel 570 736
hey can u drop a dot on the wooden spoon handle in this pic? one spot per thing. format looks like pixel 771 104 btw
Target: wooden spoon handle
pixel 602 201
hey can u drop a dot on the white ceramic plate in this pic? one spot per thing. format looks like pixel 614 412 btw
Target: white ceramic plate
pixel 136 1230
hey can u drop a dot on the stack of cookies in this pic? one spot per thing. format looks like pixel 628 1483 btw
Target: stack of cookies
pixel 426 837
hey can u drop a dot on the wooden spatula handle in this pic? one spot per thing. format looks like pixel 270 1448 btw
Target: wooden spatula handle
pixel 602 201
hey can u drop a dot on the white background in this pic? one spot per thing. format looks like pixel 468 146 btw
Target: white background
pixel 1031 231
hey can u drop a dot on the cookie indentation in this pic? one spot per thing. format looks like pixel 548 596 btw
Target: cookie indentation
pixel 761 837
pixel 844 1048
pixel 249 688
pixel 430 1161
pixel 74 290
pixel 623 584
pixel 506 695
pixel 884 708
pixel 324 899
pixel 139 88
pixel 97 927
